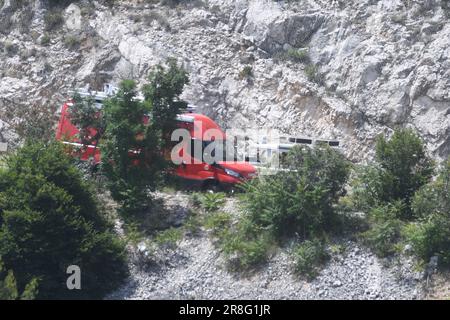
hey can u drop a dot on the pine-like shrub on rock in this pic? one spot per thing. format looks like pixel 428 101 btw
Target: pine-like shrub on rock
pixel 49 219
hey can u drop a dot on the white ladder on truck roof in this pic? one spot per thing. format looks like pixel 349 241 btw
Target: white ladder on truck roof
pixel 254 151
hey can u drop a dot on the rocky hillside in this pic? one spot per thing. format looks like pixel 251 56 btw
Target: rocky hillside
pixel 346 70
pixel 194 268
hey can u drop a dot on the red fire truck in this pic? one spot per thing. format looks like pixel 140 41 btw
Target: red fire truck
pixel 216 175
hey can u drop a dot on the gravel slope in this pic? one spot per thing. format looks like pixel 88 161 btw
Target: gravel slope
pixel 196 270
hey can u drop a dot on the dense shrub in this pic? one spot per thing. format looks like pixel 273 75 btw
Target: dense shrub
pixel 366 187
pixel 405 165
pixel 130 177
pixel 49 219
pixel 217 222
pixel 431 204
pixel 385 230
pixel 72 42
pixel 313 74
pixel 134 147
pixel 401 168
pixel 300 200
pixel 434 198
pixel 401 206
pixel 297 202
pixel 8 286
pixel 298 55
pixel 165 85
pixel 212 201
pixel 246 245
pixel 168 238
pixel 309 256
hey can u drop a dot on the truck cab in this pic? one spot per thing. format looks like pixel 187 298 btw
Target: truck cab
pixel 224 173
pixel 196 171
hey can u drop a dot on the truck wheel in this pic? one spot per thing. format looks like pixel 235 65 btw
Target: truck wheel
pixel 211 186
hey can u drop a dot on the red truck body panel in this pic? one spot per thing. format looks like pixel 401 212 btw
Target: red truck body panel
pixel 198 126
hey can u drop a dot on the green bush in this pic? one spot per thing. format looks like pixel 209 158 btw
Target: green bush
pixel 217 222
pixel 298 55
pixel 309 256
pixel 8 286
pixel 385 231
pixel 431 205
pixel 406 166
pixel 245 73
pixel 45 40
pixel 313 74
pixel 212 201
pixel 296 203
pixel 300 200
pixel 49 219
pixel 71 42
pixel 196 199
pixel 395 190
pixel 246 245
pixel 169 238
pixel 53 19
pixel 163 93
pixel 120 128
pixel 192 224
pixel 434 198
pixel 383 237
pixel 132 176
pixel 401 168
pixel 367 187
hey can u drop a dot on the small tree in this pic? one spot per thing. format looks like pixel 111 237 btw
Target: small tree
pixel 301 199
pixel 88 119
pixel 134 134
pixel 49 219
pixel 163 94
pixel 405 165
pixel 431 205
pixel 131 150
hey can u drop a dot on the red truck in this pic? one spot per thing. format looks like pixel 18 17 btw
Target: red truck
pixel 216 175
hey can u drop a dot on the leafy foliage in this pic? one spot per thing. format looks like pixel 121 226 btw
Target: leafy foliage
pixel 401 168
pixel 431 204
pixel 300 200
pixel 132 148
pixel 403 205
pixel 313 74
pixel 135 134
pixel 169 238
pixel 8 287
pixel 384 233
pixel 217 222
pixel 163 94
pixel 245 245
pixel 298 55
pixel 49 220
pixel 297 202
pixel 405 165
pixel 211 201
pixel 309 255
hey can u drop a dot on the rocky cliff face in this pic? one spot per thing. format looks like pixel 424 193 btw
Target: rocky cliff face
pixel 345 70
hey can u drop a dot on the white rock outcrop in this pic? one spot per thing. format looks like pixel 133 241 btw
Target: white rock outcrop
pixel 373 65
